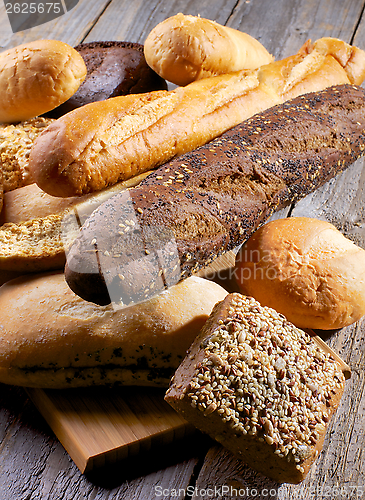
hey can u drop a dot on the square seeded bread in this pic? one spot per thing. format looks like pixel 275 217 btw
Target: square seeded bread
pixel 259 386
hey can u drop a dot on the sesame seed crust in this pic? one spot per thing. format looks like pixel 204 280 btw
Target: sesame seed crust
pixel 212 199
pixel 16 141
pixel 260 386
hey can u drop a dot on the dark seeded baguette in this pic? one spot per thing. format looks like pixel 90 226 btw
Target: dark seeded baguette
pixel 206 202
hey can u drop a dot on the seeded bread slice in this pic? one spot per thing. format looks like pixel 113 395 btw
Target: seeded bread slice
pixel 260 386
pixel 16 141
pixel 45 225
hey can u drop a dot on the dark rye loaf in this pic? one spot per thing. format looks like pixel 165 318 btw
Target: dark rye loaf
pixel 113 68
pixel 204 203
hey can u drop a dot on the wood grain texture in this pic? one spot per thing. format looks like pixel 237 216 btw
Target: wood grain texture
pixel 141 16
pixel 99 427
pixel 340 202
pixel 70 28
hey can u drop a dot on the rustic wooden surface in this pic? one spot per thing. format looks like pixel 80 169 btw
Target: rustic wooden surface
pixel 33 464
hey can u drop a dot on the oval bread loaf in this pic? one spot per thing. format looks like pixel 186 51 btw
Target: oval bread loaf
pixel 36 77
pixel 33 232
pixel 58 340
pixel 113 68
pixel 183 49
pixel 305 269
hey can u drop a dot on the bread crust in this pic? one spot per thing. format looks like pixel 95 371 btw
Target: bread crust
pixel 36 227
pixel 16 141
pixel 244 364
pixel 207 202
pixel 128 135
pixel 57 340
pixel 188 48
pixel 36 77
pixel 113 68
pixel 305 269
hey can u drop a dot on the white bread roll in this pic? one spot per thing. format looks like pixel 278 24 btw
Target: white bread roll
pixel 29 202
pixel 183 49
pixel 36 77
pixel 305 269
pixel 49 337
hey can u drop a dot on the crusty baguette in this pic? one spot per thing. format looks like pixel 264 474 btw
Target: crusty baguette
pixel 36 77
pixel 275 390
pixel 183 49
pixel 128 135
pixel 207 202
pixel 35 238
pixel 57 340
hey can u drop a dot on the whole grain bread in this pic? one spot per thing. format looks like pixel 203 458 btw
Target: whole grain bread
pixel 113 68
pixel 260 386
pixel 206 202
pixel 34 237
pixel 16 141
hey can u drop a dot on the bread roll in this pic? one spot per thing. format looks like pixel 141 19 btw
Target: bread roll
pixel 210 200
pixel 305 269
pixel 113 68
pixel 57 340
pixel 259 386
pixel 30 202
pixel 1 189
pixel 36 77
pixel 127 135
pixel 183 49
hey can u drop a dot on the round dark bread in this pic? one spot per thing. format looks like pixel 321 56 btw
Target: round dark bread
pixel 114 68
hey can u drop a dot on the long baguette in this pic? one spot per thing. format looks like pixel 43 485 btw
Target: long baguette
pixel 105 142
pixel 208 201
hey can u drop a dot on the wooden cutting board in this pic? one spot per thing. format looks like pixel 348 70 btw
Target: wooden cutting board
pixel 99 426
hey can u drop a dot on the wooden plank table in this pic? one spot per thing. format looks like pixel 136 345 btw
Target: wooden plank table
pixel 33 464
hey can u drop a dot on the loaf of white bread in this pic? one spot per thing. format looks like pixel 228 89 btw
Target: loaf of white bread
pixel 127 135
pixel 36 77
pixel 307 270
pixel 57 340
pixel 185 48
